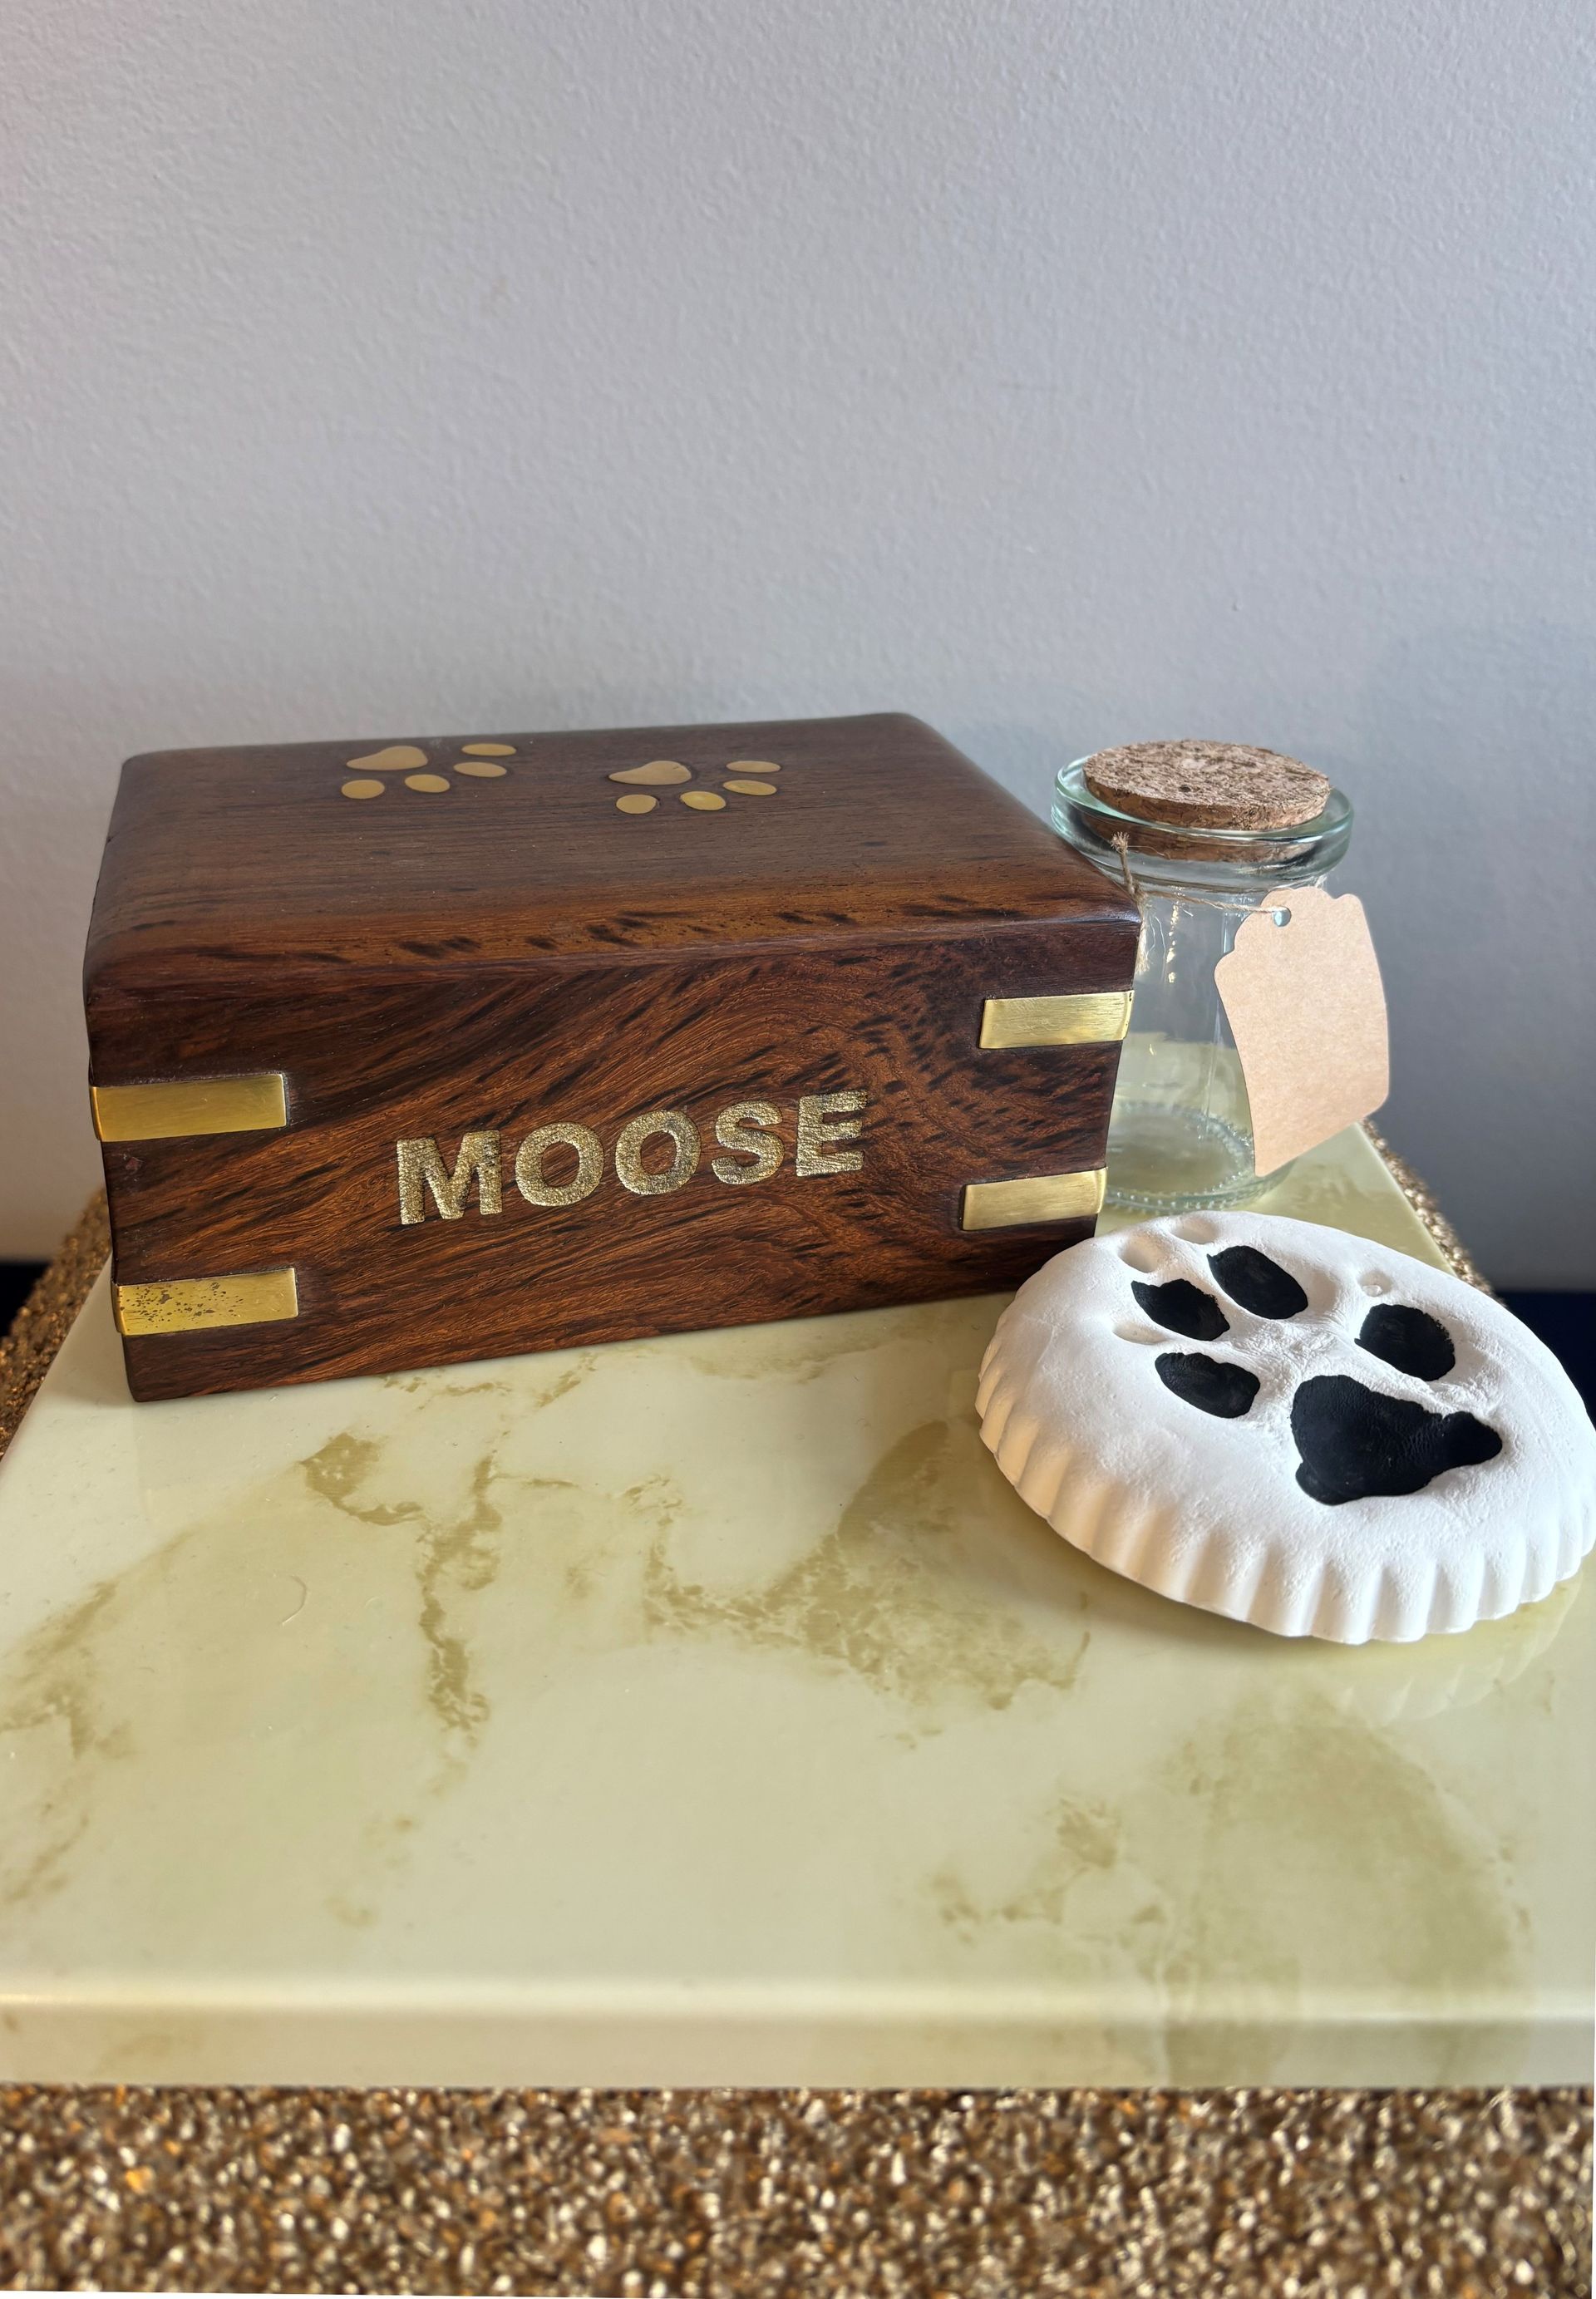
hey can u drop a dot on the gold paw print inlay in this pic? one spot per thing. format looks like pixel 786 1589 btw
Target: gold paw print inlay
pixel 745 778
pixel 479 761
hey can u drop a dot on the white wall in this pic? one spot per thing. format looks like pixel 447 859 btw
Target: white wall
pixel 1067 373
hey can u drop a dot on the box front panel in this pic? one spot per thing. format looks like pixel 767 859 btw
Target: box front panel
pixel 472 1163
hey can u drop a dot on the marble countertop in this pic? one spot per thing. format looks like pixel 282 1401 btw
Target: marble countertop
pixel 709 1711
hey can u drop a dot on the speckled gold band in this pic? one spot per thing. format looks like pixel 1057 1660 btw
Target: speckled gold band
pixel 42 1322
pixel 1082 2194
pixel 1450 1245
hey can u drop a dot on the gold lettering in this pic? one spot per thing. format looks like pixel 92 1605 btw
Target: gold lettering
pixel 748 1130
pixel 735 1129
pixel 529 1161
pixel 421 1168
pixel 630 1167
pixel 822 1119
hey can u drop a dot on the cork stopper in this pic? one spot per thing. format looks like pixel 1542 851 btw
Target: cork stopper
pixel 1210 786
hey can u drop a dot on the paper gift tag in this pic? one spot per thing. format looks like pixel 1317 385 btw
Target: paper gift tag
pixel 1303 993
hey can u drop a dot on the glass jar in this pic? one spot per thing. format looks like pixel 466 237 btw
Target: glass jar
pixel 1181 1133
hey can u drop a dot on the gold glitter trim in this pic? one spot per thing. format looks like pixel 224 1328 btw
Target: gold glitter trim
pixel 42 1322
pixel 721 2194
pixel 1453 1250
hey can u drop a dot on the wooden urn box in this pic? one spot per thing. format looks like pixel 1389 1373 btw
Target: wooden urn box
pixel 409 1052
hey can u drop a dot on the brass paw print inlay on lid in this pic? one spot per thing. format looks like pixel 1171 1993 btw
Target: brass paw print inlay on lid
pixel 745 778
pixel 481 761
pixel 390 762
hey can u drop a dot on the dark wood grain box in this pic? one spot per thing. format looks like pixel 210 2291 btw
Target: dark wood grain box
pixel 409 1052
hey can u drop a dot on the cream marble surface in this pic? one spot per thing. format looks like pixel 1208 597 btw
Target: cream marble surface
pixel 709 1711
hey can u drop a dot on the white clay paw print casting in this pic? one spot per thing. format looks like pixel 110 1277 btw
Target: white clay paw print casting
pixel 1290 1427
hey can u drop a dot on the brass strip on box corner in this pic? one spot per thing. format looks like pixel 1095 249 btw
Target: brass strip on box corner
pixel 1095 1018
pixel 1040 1198
pixel 167 1108
pixel 198 1305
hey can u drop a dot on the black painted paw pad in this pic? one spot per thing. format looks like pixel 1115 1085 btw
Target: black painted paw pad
pixel 1410 1340
pixel 1184 1307
pixel 1352 1442
pixel 1208 1383
pixel 1257 1282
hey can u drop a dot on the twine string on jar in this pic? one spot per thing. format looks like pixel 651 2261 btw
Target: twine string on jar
pixel 1186 897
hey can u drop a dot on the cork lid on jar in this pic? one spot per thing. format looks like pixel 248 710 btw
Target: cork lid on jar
pixel 1209 785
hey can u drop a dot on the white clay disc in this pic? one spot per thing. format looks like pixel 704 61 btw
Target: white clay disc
pixel 1308 1431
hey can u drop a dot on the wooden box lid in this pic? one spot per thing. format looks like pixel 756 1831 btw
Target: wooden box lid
pixel 494 847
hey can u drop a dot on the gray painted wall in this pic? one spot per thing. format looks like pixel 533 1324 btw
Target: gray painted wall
pixel 1068 374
